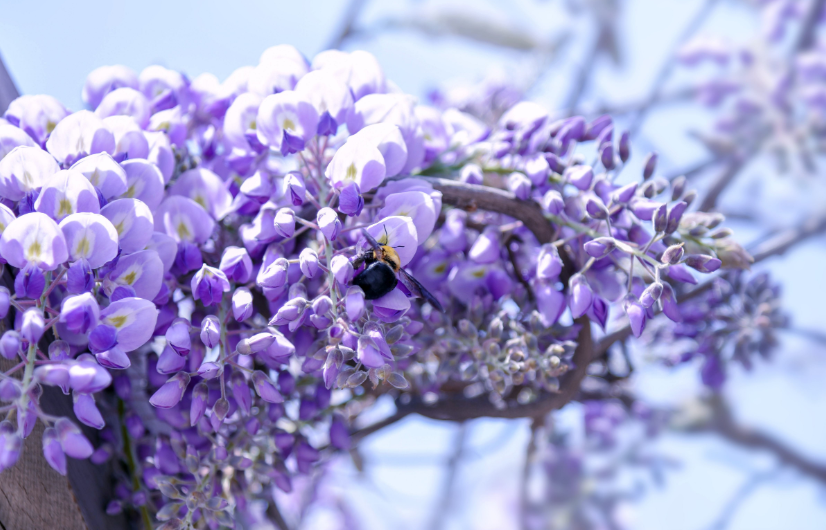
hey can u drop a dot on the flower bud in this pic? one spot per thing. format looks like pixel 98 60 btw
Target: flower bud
pixel 171 393
pixel 552 202
pixel 242 307
pixel 10 388
pixel 275 275
pixel 600 247
pixel 519 185
pixel 210 331
pixel 644 209
pixel 72 440
pixel 606 156
pixel 650 166
pixel 53 452
pixel 32 326
pixel 328 222
pixel 265 388
pixel 581 295
pixel 241 391
pixel 5 302
pixel 220 409
pixel 580 176
pixel 308 262
pixel 289 312
pixel 114 358
pixel 674 217
pixel 284 223
pixel 342 269
pixel 549 264
pixel 332 368
pixel 651 294
pixel 555 163
pixel 625 146
pixel 10 445
pixel 10 344
pixel 296 187
pixel 209 285
pixel 200 395
pixel 286 382
pixel 177 336
pixel 660 218
pixel 339 434
pixel 86 411
pixel 170 362
pixel 673 254
pixel 624 194
pixel 678 187
pixel 596 209
pixel 471 174
pixel 236 264
pixel 669 304
pixel 636 314
pixel 354 303
pixel 703 263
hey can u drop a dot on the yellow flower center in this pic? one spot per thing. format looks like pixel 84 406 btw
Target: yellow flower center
pixel 118 321
pixel 65 207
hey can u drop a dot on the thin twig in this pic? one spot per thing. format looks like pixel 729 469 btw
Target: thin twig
pixel 586 70
pixel 530 455
pixel 814 335
pixel 275 514
pixel 440 514
pixel 346 30
pixel 742 494
pixel 8 90
pixel 785 240
pixel 360 434
pixel 721 183
pixel 615 109
pixel 723 423
pixel 808 31
pixel 668 65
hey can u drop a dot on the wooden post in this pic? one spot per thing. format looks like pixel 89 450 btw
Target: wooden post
pixel 33 496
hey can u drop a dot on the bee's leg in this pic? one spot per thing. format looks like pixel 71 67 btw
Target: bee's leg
pixel 361 258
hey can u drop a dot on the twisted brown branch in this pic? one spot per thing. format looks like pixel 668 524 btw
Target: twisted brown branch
pixel 723 423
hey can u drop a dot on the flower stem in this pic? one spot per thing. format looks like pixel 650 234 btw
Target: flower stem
pixel 130 462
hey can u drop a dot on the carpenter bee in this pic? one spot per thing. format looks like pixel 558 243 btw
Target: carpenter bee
pixel 379 276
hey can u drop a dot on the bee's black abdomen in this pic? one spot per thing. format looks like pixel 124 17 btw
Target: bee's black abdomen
pixel 376 280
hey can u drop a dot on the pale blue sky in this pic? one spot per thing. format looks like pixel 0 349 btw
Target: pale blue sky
pixel 49 48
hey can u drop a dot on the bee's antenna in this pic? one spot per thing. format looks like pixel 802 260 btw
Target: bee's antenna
pixel 386 237
pixel 398 246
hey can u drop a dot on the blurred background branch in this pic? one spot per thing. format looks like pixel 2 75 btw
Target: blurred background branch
pixel 8 91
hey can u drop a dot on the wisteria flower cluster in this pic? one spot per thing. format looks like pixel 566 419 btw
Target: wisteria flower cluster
pixel 734 321
pixel 588 474
pixel 771 91
pixel 223 274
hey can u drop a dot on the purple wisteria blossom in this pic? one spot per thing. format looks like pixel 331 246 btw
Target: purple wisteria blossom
pixel 249 263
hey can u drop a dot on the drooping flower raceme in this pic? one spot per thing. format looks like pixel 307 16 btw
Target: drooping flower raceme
pixel 194 245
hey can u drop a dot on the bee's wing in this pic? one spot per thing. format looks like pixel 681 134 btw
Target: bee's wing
pixel 371 240
pixel 417 289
